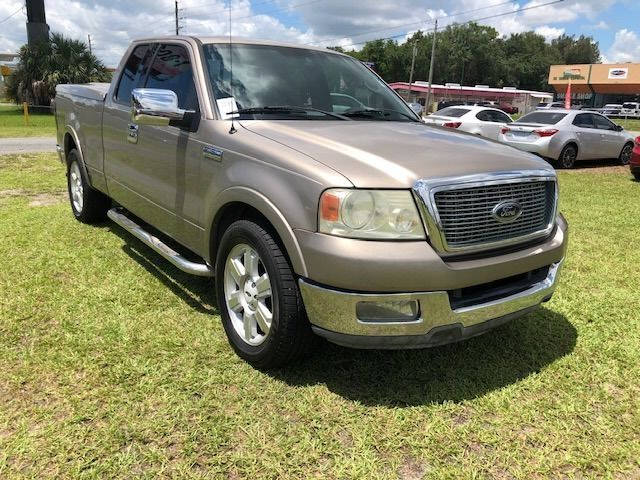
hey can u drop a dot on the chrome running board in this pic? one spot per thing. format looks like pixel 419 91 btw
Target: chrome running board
pixel 199 269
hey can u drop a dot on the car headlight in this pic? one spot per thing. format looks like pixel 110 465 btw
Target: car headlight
pixel 370 214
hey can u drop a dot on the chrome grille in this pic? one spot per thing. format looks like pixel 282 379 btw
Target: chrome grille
pixel 465 213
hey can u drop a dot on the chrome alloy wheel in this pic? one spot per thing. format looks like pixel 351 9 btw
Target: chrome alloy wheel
pixel 247 292
pixel 75 185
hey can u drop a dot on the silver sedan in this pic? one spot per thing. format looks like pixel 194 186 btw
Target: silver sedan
pixel 566 136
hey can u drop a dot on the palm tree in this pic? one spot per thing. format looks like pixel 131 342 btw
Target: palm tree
pixel 45 65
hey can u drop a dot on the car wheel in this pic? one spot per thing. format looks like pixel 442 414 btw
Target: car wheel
pixel 625 154
pixel 260 303
pixel 568 156
pixel 87 204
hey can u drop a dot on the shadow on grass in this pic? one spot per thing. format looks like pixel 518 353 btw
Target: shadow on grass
pixel 197 292
pixel 456 372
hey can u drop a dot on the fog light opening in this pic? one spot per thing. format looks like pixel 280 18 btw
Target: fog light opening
pixel 392 311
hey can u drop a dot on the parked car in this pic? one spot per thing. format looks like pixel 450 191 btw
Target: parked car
pixel 450 103
pixel 634 163
pixel 483 121
pixel 548 106
pixel 566 136
pixel 508 108
pixel 365 226
pixel 630 109
pixel 416 107
pixel 611 110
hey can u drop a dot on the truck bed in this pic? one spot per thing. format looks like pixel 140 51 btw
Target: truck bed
pixel 90 91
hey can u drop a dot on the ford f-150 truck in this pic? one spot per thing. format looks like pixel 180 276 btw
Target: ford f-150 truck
pixel 313 194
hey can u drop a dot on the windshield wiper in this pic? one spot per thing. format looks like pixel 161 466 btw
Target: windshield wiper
pixel 285 109
pixel 372 112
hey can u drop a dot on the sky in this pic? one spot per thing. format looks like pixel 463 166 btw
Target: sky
pixel 112 24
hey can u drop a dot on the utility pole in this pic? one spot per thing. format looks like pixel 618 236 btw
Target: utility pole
pixel 413 63
pixel 177 26
pixel 89 38
pixel 433 56
pixel 37 28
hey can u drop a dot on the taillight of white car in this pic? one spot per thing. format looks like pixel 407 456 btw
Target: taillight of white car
pixel 452 124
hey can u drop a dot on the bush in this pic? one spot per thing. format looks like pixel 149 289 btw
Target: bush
pixel 47 64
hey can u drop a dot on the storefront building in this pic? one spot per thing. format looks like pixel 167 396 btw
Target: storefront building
pixel 597 84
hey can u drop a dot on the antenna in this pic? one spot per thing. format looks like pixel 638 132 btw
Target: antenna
pixel 232 130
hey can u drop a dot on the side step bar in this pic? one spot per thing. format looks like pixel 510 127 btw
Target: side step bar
pixel 199 269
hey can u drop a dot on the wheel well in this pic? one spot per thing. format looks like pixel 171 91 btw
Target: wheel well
pixel 69 144
pixel 233 211
pixel 574 144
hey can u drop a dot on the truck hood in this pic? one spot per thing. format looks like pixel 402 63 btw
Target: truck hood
pixel 375 154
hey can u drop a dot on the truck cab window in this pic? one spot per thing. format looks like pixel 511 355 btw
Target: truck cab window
pixel 171 70
pixel 131 73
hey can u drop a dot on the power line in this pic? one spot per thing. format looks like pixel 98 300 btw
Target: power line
pixel 455 14
pixel 12 15
pixel 290 7
pixel 202 5
pixel 462 23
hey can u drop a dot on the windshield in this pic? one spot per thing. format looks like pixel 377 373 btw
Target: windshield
pixel 312 84
pixel 544 118
pixel 630 105
pixel 452 112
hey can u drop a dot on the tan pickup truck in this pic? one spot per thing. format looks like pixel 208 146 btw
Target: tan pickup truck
pixel 313 194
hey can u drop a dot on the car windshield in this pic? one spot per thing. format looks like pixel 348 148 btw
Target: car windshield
pixel 452 112
pixel 630 105
pixel 543 118
pixel 283 83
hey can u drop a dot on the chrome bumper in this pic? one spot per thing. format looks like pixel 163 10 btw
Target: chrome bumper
pixel 332 314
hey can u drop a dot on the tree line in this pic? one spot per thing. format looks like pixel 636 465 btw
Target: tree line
pixel 471 54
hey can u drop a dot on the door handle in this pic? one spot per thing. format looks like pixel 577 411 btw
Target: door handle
pixel 132 133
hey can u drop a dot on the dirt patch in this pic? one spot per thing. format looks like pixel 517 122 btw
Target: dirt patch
pixel 15 192
pixel 46 199
pixel 411 469
pixel 599 169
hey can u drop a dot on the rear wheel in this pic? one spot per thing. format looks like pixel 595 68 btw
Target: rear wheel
pixel 260 304
pixel 625 154
pixel 87 204
pixel 568 156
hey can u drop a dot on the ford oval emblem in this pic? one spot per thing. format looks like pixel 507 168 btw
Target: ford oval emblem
pixel 507 211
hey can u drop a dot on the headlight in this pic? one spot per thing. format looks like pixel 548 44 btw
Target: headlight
pixel 371 214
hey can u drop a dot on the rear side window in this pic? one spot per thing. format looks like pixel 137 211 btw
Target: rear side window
pixel 171 70
pixel 583 120
pixel 544 118
pixel 131 73
pixel 452 112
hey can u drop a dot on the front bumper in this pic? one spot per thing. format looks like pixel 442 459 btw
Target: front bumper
pixel 332 314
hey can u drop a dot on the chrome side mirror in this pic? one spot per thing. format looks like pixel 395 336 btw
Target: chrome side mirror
pixel 153 106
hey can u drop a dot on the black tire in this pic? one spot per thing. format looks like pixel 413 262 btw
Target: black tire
pixel 637 177
pixel 290 336
pixel 94 205
pixel 625 154
pixel 568 155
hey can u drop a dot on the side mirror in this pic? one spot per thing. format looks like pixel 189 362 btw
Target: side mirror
pixel 153 106
pixel 619 128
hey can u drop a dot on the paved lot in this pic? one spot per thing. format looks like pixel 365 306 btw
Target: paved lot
pixel 27 145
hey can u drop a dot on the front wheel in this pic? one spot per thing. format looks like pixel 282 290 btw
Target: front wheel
pixel 568 157
pixel 625 154
pixel 260 304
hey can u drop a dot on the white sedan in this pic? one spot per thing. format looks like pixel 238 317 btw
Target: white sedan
pixel 483 121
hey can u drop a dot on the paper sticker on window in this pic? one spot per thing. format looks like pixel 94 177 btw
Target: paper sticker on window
pixel 226 106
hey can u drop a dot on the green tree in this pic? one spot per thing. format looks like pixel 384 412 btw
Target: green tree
pixel 43 66
pixel 571 50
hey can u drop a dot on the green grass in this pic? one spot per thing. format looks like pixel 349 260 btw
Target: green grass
pixel 632 125
pixel 115 365
pixel 12 123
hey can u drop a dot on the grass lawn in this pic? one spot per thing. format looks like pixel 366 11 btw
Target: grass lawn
pixel 115 365
pixel 632 125
pixel 12 123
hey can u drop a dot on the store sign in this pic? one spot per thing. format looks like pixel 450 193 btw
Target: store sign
pixel 571 74
pixel 618 73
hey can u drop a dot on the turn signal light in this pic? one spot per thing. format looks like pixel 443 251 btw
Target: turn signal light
pixel 637 141
pixel 546 133
pixel 329 207
pixel 452 124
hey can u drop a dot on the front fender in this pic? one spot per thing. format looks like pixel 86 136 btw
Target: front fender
pixel 261 203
